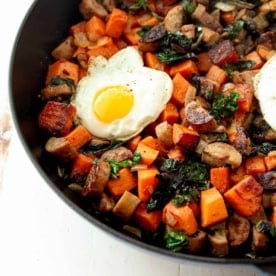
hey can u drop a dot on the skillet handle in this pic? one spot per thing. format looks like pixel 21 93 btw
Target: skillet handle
pixel 267 269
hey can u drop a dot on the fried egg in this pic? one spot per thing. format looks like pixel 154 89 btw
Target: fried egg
pixel 119 97
pixel 265 91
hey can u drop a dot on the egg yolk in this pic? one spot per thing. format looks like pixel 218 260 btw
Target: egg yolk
pixel 112 103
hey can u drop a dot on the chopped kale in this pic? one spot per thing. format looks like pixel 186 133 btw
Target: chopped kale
pixel 138 5
pixel 238 66
pixel 223 105
pixel 116 166
pixel 179 182
pixel 59 80
pixel 263 148
pixel 234 29
pixel 176 241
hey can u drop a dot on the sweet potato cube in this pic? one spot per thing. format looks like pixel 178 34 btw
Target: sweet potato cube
pixel 270 160
pixel 220 179
pixel 212 207
pixel 125 181
pixel 147 220
pixel 57 118
pixel 255 165
pixel 185 137
pixel 246 196
pixel 180 218
pixel 147 182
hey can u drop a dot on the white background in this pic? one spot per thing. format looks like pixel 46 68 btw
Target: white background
pixel 39 233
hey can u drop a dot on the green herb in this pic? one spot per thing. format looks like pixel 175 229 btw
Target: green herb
pixel 176 241
pixel 179 181
pixel 138 5
pixel 234 30
pixel 169 57
pixel 59 80
pixel 238 66
pixel 176 38
pixel 195 171
pixel 223 105
pixel 144 30
pixel 188 6
pixel 116 166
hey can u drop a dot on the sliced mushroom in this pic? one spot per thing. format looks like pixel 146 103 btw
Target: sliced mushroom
pixel 238 230
pixel 220 154
pixel 97 178
pixel 164 133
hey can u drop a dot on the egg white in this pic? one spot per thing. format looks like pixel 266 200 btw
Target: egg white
pixel 265 91
pixel 151 88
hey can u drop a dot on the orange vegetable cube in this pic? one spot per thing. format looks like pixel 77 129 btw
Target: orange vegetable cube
pixel 148 154
pixel 106 47
pixel 255 57
pixel 219 178
pixel 147 182
pixel 81 165
pixel 212 207
pixel 116 23
pixel 245 197
pixel 186 68
pixel 126 181
pixel 57 118
pixel 153 62
pixel 147 220
pixel 78 137
pixel 270 160
pixel 63 69
pixel 169 113
pixel 185 137
pixel 180 218
pixel 255 165
pixel 95 28
pixel 180 88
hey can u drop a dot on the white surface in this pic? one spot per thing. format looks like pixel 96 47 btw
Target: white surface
pixel 41 235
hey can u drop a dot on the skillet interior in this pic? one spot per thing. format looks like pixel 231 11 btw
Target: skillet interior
pixel 45 25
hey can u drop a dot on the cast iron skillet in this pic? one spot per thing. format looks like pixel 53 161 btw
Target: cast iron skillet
pixel 45 25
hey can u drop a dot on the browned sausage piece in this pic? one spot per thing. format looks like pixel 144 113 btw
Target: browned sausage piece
pixel 106 203
pixel 97 178
pixel 238 230
pixel 118 154
pixel 199 118
pixel 61 148
pixel 197 241
pixel 88 8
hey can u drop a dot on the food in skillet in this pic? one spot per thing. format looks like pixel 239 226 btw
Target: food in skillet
pixel 155 113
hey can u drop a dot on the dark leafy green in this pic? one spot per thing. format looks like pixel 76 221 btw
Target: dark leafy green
pixel 263 148
pixel 116 166
pixel 59 80
pixel 268 228
pixel 238 66
pixel 138 5
pixel 234 29
pixel 224 105
pixel 179 181
pixel 176 241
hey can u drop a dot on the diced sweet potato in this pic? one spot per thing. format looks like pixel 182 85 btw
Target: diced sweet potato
pixel 57 118
pixel 185 137
pixel 246 196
